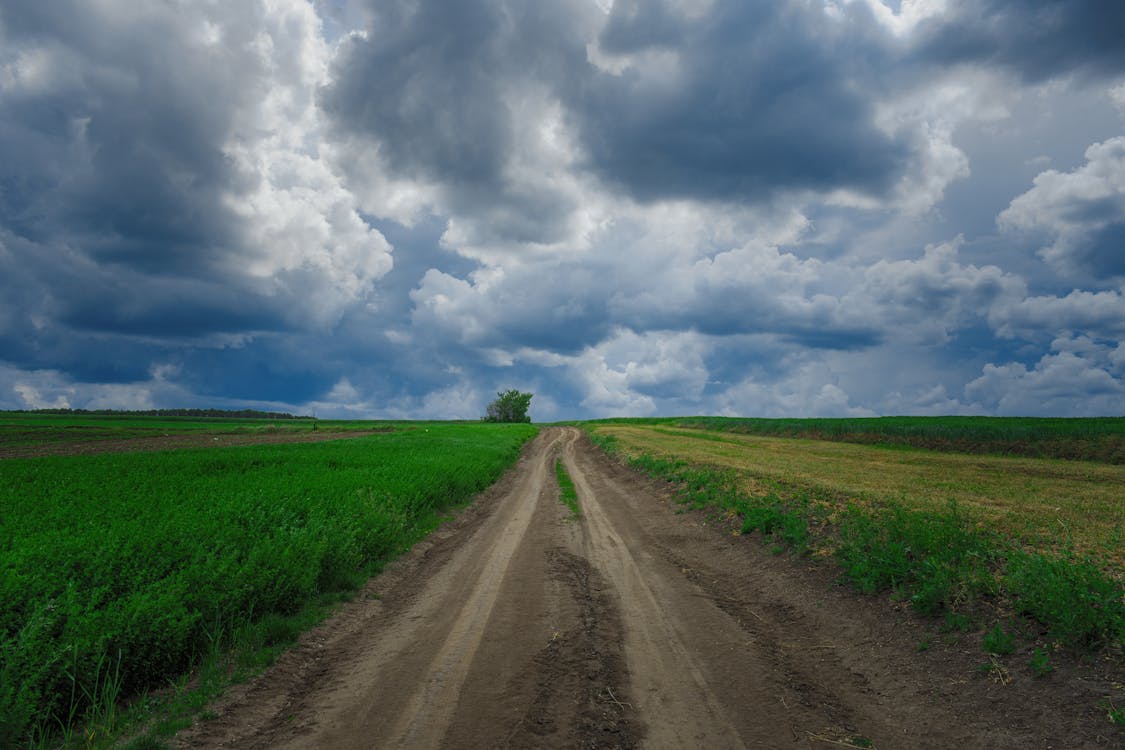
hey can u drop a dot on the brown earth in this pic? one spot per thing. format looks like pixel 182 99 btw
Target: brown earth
pixel 171 442
pixel 637 625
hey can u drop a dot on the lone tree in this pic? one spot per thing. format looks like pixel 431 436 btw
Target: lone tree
pixel 509 406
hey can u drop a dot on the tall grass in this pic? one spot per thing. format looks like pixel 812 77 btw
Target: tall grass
pixel 142 562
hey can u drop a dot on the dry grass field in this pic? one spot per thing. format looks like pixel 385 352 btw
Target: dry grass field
pixel 1043 503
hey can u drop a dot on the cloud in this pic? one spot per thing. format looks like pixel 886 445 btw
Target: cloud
pixel 1070 381
pixel 1098 314
pixel 457 109
pixel 169 153
pixel 809 389
pixel 740 102
pixel 650 206
pixel 1083 210
pixel 1038 39
pixel 928 300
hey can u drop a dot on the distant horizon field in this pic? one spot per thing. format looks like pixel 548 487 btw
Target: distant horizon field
pixel 30 428
pixel 1099 439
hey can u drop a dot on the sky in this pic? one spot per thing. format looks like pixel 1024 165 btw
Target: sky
pixel 398 208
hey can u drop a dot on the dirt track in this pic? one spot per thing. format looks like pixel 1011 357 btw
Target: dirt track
pixel 635 626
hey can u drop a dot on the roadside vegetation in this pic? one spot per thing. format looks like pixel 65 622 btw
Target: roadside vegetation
pixel 978 542
pixel 1086 439
pixel 121 572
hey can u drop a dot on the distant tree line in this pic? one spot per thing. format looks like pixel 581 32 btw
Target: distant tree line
pixel 207 413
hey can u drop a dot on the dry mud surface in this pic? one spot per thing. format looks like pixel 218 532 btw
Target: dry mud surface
pixel 634 626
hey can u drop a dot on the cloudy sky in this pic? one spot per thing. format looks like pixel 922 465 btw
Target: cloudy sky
pixel 395 208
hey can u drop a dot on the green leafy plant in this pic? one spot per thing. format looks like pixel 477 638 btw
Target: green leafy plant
pixel 998 642
pixel 1040 663
pixel 1070 594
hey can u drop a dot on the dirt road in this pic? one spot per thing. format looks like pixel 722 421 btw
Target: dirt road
pixel 633 626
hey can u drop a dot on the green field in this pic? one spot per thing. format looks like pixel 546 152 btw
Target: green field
pixel 119 571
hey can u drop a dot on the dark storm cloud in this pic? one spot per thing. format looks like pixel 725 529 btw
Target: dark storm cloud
pixel 426 83
pixel 751 100
pixel 1039 39
pixel 1105 253
pixel 429 82
pixel 444 94
pixel 761 99
pixel 119 149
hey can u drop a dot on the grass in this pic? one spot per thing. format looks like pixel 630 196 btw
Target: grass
pixel 120 571
pixel 940 558
pixel 567 494
pixel 1046 504
pixel 1093 439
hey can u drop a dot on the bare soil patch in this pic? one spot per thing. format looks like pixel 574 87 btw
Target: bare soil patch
pixel 637 626
pixel 172 442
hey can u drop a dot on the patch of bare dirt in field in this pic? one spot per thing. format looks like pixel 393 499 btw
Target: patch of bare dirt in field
pixel 172 442
pixel 639 625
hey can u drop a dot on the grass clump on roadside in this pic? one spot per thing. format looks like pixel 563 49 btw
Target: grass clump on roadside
pixel 567 493
pixel 121 571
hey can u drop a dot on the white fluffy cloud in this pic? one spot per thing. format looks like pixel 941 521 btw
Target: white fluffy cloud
pixel 1075 379
pixel 301 226
pixel 927 300
pixel 1100 314
pixel 1082 210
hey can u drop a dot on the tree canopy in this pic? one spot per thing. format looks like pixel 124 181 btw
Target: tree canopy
pixel 509 406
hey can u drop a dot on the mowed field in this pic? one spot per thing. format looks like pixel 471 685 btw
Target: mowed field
pixel 1044 503
pixel 121 569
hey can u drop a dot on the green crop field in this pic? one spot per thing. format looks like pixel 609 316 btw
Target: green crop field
pixel 118 571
